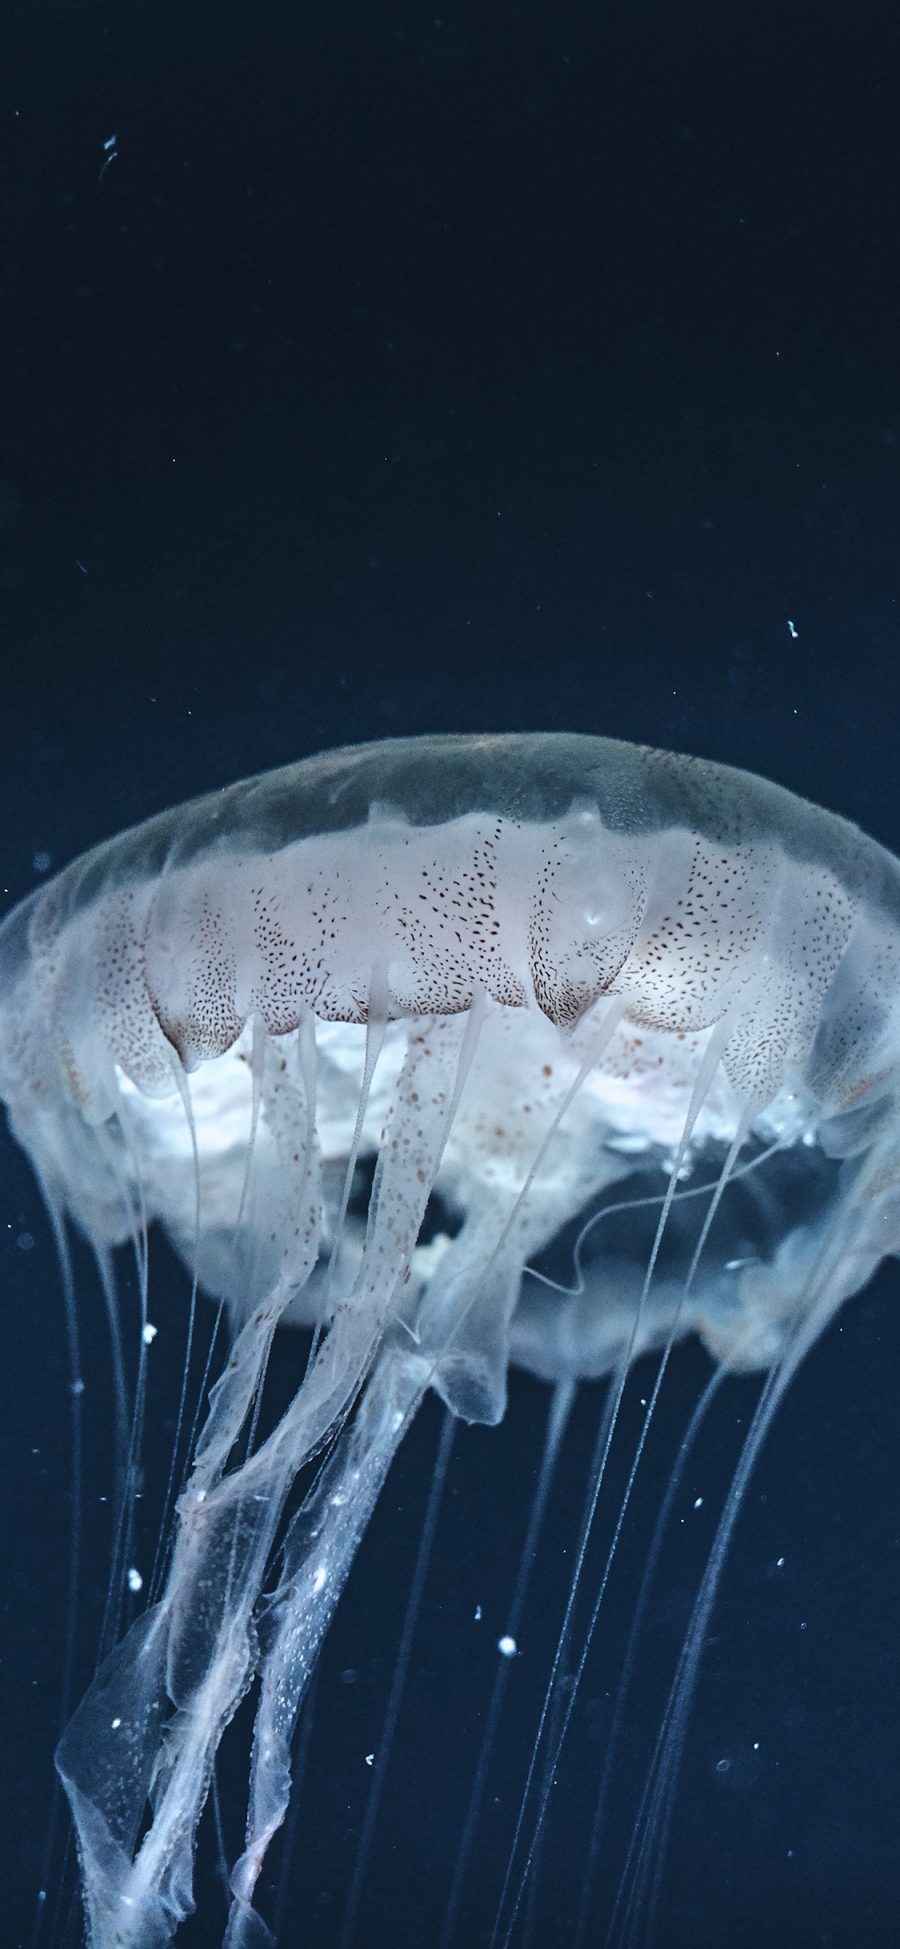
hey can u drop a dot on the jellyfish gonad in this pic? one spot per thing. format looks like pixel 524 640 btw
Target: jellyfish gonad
pixel 521 982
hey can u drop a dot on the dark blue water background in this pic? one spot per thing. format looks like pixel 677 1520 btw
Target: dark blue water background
pixel 523 366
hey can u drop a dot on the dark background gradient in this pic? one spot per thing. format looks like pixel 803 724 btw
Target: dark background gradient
pixel 516 366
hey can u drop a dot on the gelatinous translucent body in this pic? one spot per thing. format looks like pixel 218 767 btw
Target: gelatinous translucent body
pixel 528 980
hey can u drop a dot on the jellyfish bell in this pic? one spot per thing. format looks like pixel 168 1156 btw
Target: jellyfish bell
pixel 522 988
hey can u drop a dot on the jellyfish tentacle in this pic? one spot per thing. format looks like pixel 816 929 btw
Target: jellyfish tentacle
pixel 318 1553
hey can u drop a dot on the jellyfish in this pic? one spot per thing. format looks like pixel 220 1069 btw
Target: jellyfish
pixel 377 1040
